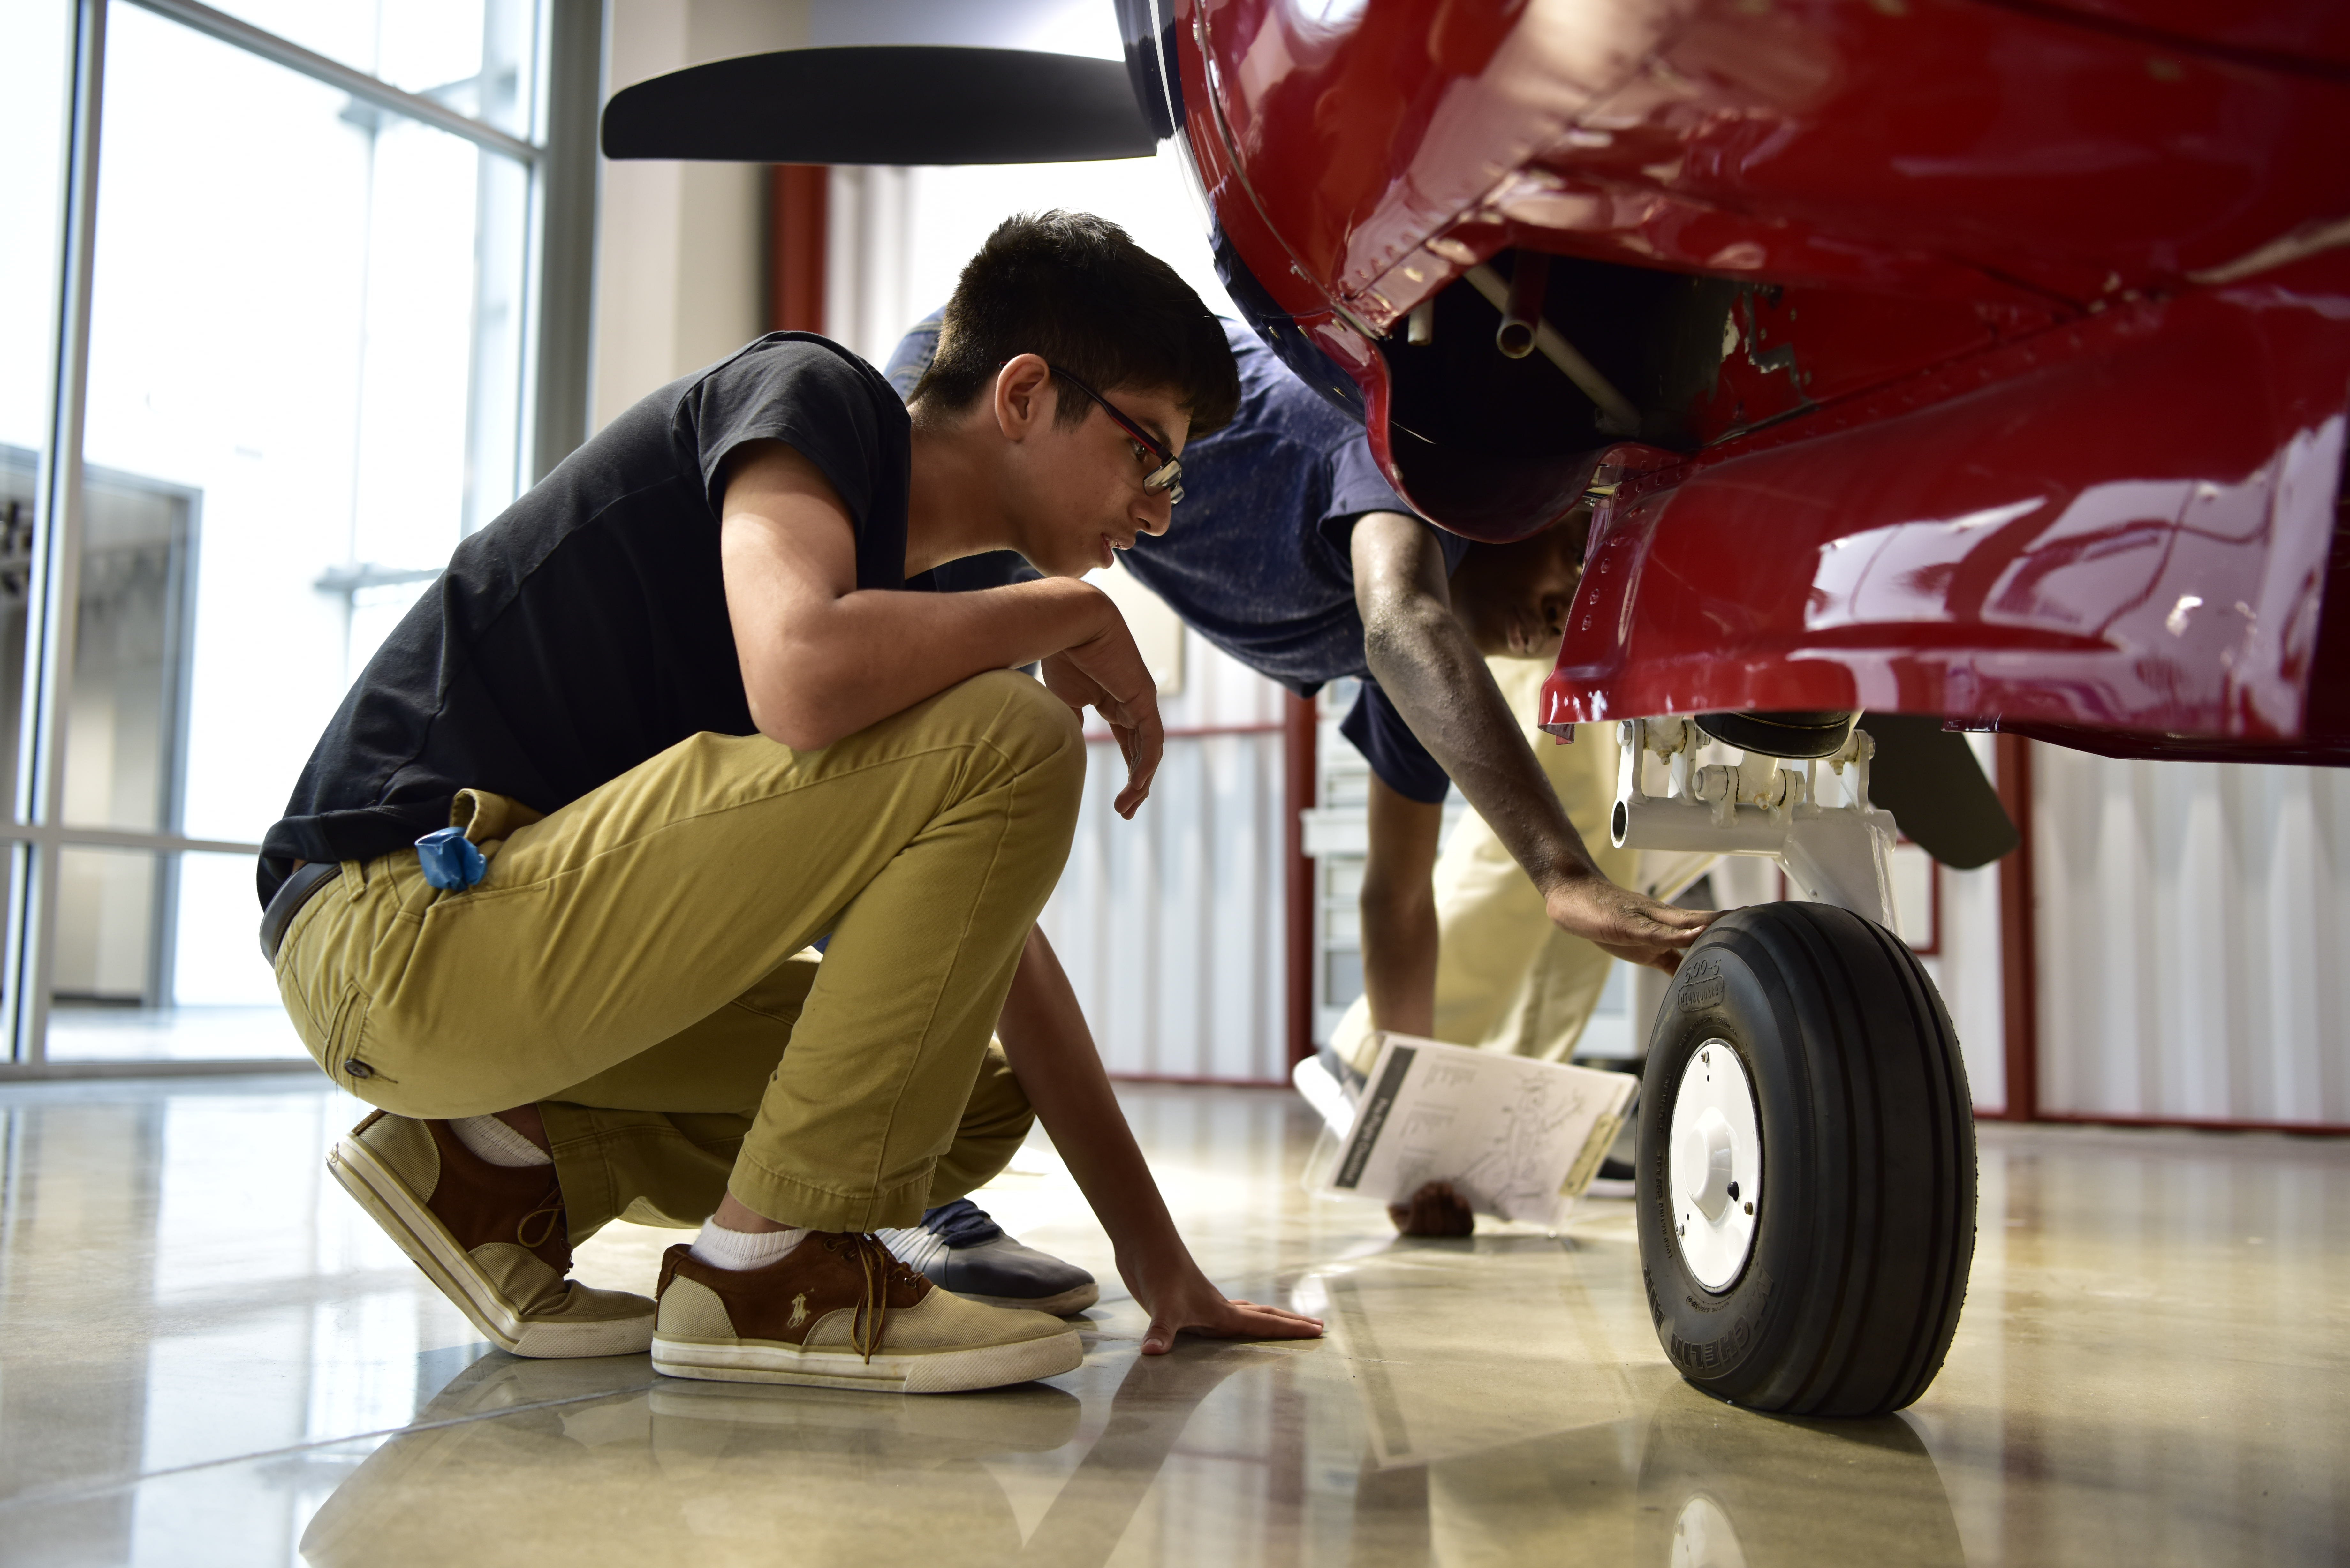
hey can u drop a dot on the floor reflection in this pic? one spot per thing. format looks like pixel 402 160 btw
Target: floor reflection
pixel 1718 1489
pixel 206 1355
pixel 854 1478
pixel 96 1033
pixel 736 1469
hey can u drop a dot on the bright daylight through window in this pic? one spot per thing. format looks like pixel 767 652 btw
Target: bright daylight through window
pixel 302 369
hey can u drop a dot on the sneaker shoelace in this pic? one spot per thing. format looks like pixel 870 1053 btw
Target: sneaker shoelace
pixel 878 1266
pixel 550 1210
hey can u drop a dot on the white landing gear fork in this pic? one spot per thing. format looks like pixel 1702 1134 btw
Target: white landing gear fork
pixel 1840 854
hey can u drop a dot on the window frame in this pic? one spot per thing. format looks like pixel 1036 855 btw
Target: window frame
pixel 560 162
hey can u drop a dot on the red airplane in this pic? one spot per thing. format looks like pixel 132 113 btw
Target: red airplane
pixel 1984 359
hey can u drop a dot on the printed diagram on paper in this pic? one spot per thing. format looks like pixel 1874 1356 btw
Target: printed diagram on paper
pixel 1517 1138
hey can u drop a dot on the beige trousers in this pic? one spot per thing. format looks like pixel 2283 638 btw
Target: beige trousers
pixel 1506 979
pixel 635 964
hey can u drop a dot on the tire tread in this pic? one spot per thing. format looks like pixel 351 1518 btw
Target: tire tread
pixel 1882 1084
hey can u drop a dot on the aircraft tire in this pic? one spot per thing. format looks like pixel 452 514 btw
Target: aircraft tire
pixel 1806 1174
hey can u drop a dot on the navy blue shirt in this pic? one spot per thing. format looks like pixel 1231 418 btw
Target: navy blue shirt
pixel 1258 557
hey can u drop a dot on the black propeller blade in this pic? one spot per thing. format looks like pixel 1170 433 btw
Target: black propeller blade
pixel 1929 779
pixel 884 104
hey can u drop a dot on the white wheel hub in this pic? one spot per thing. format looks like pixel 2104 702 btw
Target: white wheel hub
pixel 1716 1149
pixel 1703 1537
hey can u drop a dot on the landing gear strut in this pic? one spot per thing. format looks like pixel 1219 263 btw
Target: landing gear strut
pixel 1806 1172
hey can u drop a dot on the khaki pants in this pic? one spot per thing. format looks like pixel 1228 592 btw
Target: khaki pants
pixel 1506 979
pixel 636 965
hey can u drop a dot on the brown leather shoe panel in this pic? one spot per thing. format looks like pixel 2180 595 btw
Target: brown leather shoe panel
pixel 785 1301
pixel 481 1202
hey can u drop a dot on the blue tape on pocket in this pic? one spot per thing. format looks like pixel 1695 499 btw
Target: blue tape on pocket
pixel 449 859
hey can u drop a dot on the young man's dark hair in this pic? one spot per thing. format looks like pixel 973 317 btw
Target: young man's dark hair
pixel 1074 290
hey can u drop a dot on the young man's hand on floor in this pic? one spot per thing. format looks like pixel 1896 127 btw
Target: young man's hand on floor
pixel 1181 1299
pixel 1052 1053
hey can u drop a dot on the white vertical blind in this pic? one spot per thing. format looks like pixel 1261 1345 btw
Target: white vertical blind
pixel 1966 963
pixel 2194 930
pixel 1171 925
pixel 1966 971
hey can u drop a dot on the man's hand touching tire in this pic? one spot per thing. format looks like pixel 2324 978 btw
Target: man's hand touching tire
pixel 1624 924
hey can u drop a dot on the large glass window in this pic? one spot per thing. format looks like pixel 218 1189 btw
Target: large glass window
pixel 304 374
pixel 475 56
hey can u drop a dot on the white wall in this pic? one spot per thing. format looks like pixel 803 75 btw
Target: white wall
pixel 1966 967
pixel 1171 925
pixel 1967 972
pixel 680 247
pixel 2194 929
pixel 900 237
pixel 1063 26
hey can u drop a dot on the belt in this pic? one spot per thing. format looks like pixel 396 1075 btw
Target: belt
pixel 288 901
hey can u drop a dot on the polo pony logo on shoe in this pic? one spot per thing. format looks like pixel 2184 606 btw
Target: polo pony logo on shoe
pixel 799 1309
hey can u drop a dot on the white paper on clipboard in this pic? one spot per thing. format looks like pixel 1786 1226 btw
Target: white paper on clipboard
pixel 1517 1138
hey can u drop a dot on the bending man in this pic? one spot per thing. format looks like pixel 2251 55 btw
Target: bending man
pixel 1295 556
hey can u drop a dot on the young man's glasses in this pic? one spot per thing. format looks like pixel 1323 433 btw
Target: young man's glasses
pixel 1169 476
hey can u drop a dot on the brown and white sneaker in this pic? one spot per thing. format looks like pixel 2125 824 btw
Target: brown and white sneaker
pixel 492 1237
pixel 838 1311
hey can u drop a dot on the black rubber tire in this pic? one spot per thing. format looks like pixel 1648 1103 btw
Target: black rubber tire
pixel 1814 733
pixel 1866 1224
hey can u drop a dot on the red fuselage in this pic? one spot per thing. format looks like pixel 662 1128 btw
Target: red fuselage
pixel 2007 341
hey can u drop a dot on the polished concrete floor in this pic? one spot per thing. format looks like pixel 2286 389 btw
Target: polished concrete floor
pixel 207 1354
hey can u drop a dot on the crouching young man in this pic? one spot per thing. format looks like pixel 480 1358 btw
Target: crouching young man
pixel 692 713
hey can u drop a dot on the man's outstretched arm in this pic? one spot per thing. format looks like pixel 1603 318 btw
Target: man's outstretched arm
pixel 822 659
pixel 1052 1053
pixel 1424 659
pixel 1399 909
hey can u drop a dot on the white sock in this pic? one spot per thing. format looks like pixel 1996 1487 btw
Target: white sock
pixel 495 1143
pixel 723 1249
